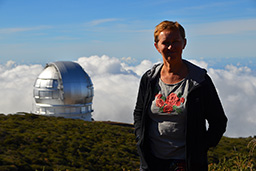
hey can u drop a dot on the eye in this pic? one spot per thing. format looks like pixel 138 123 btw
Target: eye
pixel 166 43
pixel 176 41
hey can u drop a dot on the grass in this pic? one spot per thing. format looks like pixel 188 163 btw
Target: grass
pixel 39 143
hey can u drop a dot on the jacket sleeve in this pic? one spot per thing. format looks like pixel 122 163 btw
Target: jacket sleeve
pixel 215 115
pixel 139 107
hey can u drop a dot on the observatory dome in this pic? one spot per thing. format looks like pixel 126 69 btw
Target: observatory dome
pixel 64 89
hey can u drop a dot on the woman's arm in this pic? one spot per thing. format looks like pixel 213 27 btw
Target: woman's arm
pixel 139 107
pixel 215 115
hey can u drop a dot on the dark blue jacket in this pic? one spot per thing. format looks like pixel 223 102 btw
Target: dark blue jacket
pixel 203 105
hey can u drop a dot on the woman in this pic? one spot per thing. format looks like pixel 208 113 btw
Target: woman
pixel 174 101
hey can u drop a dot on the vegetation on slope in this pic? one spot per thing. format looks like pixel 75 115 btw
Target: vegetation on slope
pixel 35 142
pixel 233 154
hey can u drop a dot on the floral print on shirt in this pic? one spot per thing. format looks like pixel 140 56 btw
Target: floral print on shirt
pixel 170 103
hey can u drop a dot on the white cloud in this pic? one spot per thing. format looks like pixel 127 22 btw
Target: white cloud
pixel 16 82
pixel 22 29
pixel 208 6
pixel 237 90
pixel 225 27
pixel 116 86
pixel 101 21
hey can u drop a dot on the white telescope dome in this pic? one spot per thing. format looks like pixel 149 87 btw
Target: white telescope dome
pixel 64 89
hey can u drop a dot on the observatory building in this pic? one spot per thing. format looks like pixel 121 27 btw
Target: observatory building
pixel 64 89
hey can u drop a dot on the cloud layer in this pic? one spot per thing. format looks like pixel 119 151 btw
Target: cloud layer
pixel 116 85
pixel 16 82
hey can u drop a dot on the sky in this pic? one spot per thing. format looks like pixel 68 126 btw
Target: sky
pixel 113 42
pixel 45 30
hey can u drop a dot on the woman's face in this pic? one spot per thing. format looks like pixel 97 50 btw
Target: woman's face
pixel 170 45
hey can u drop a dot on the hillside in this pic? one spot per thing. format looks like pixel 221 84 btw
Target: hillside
pixel 34 142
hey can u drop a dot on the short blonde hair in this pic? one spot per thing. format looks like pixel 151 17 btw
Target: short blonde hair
pixel 168 25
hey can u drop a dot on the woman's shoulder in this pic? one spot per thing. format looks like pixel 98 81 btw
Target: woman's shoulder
pixel 153 71
pixel 196 73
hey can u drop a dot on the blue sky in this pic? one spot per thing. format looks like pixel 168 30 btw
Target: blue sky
pixel 43 31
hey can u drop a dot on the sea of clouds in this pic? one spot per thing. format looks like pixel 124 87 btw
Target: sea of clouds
pixel 116 85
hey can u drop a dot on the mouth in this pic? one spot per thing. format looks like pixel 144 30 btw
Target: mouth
pixel 170 53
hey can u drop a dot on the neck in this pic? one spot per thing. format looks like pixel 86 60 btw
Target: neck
pixel 173 68
pixel 173 73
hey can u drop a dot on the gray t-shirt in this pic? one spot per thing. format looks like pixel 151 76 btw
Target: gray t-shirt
pixel 168 120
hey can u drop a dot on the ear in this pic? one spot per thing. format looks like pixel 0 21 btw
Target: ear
pixel 155 44
pixel 185 43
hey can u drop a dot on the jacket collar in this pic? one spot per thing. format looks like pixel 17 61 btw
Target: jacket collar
pixel 196 74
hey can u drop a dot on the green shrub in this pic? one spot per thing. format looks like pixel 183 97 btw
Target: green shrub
pixel 236 161
pixel 40 143
pixel 33 142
